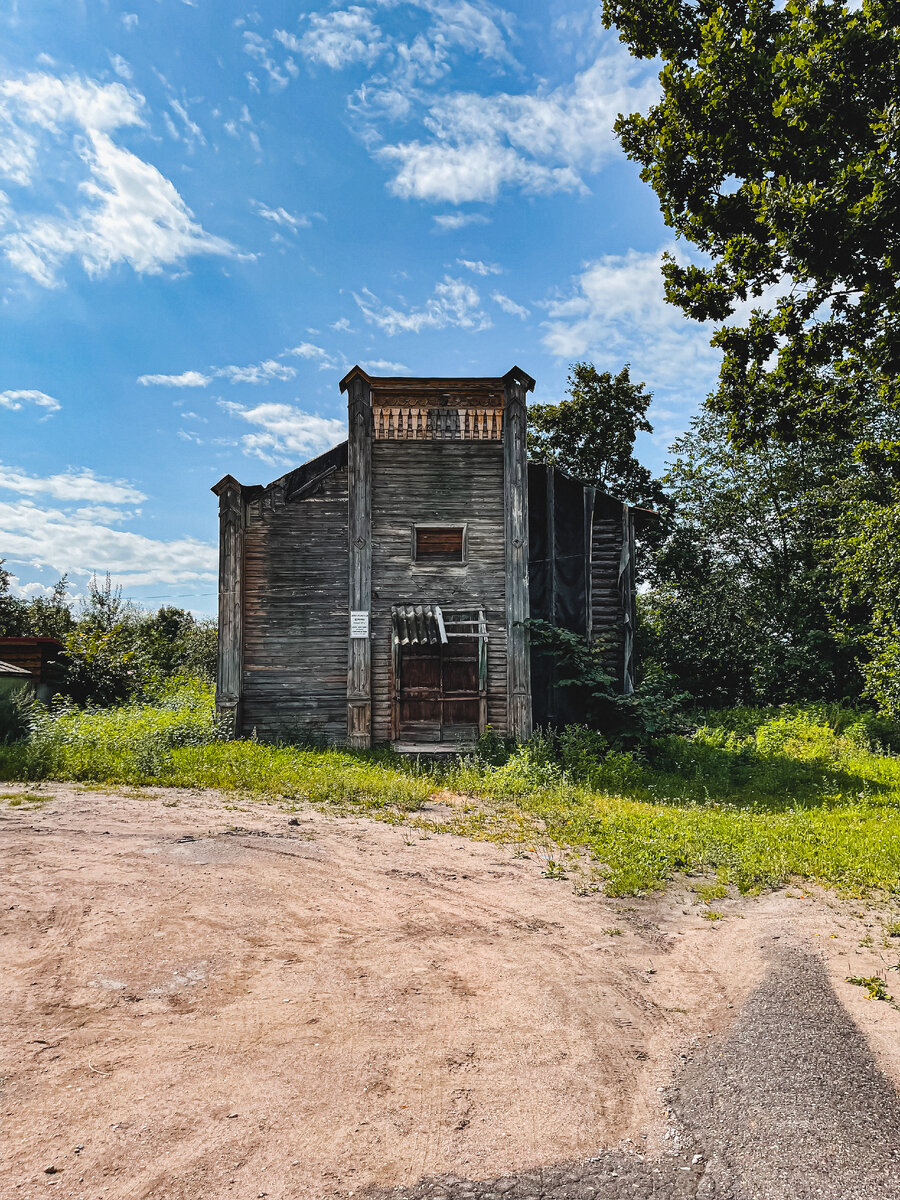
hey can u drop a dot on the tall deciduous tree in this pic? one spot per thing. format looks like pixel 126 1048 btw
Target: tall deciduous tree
pixel 591 435
pixel 774 151
pixel 742 601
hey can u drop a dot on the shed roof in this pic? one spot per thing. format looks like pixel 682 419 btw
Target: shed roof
pixel 10 669
pixel 418 624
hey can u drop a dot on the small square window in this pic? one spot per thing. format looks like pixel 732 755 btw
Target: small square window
pixel 439 543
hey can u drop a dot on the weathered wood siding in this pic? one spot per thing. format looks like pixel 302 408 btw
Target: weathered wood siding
pixel 437 482
pixel 607 612
pixel 296 612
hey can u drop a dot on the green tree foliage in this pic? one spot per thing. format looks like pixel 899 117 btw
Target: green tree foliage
pixel 591 436
pixel 867 561
pixel 114 649
pixel 743 600
pixel 774 151
pixel 42 616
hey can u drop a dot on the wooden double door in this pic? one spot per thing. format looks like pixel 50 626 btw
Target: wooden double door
pixel 440 688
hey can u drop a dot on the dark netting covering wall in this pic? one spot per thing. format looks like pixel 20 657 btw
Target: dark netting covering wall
pixel 559 582
pixel 575 540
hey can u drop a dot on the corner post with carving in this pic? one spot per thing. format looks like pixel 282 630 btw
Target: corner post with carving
pixel 359 655
pixel 231 585
pixel 515 489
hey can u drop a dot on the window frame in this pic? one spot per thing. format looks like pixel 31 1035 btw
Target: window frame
pixel 437 561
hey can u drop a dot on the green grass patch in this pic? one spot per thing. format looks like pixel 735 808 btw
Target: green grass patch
pixel 753 798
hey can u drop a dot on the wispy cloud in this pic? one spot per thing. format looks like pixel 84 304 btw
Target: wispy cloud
pixel 452 303
pixel 262 372
pixel 134 214
pixel 283 432
pixel 477 267
pixel 510 306
pixel 449 222
pixel 187 379
pixel 71 485
pixel 16 400
pixel 326 361
pixel 382 364
pixel 541 141
pixel 281 216
pixel 258 48
pixel 254 373
pixel 79 545
pixel 615 311
pixel 337 39
pixel 121 66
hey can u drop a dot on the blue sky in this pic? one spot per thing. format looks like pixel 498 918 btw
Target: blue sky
pixel 209 211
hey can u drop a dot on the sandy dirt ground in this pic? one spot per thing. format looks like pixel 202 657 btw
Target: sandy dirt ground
pixel 208 998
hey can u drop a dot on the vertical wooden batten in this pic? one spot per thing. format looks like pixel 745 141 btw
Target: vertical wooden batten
pixel 515 490
pixel 231 585
pixel 358 387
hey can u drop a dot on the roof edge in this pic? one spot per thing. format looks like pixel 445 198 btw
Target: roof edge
pixel 225 483
pixel 351 375
pixel 516 374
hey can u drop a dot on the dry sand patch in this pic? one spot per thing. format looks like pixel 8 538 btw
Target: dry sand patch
pixel 203 1000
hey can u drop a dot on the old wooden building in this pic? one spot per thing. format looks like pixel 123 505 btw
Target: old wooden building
pixel 380 593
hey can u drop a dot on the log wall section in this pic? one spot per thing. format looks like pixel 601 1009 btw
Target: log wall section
pixel 437 482
pixel 296 612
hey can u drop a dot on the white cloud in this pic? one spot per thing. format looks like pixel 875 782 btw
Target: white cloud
pixel 326 361
pixel 454 303
pixel 71 485
pixel 129 20
pixel 255 373
pixel 382 364
pixel 258 372
pixel 616 312
pixel 185 379
pixel 448 222
pixel 477 267
pixel 285 432
pixel 67 542
pixel 478 28
pixel 443 172
pixel 134 214
pixel 342 326
pixel 539 142
pixel 17 400
pixel 102 512
pixel 337 39
pixel 258 48
pixel 510 306
pixel 281 216
pixel 193 129
pixel 121 66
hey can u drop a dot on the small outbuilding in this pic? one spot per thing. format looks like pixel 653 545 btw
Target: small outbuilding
pixel 36 662
pixel 380 593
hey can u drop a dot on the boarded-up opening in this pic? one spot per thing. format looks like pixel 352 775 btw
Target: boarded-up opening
pixel 439 543
pixel 440 684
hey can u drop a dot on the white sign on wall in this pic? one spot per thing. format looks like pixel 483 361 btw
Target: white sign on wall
pixel 359 624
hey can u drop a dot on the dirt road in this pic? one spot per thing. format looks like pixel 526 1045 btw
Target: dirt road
pixel 203 1000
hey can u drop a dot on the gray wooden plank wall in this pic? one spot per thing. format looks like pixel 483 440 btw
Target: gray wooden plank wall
pixel 457 482
pixel 607 617
pixel 296 613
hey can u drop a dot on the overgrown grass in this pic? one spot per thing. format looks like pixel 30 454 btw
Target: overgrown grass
pixel 753 797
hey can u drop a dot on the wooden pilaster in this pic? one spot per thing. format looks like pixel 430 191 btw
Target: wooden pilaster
pixel 515 491
pixel 231 584
pixel 359 657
